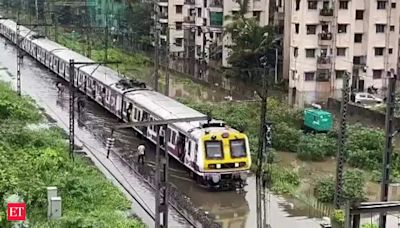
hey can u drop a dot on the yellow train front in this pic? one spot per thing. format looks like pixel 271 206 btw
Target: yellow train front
pixel 224 158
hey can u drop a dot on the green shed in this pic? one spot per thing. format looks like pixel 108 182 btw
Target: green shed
pixel 318 120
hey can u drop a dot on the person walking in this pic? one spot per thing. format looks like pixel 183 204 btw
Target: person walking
pixel 141 150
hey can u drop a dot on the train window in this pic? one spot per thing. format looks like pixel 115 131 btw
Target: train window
pixel 238 148
pixel 214 149
pixel 189 147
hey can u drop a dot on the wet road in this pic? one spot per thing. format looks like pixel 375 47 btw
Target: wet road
pixel 231 209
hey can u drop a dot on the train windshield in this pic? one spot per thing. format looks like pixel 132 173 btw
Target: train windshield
pixel 238 148
pixel 214 149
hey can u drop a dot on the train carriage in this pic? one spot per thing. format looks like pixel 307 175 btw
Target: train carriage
pixel 216 155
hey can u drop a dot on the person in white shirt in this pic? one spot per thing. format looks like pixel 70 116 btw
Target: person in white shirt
pixel 141 150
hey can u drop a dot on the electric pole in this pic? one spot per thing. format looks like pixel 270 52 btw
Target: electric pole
pixel 71 109
pixel 261 148
pixel 387 155
pixel 342 147
pixel 156 46
pixel 19 57
pixel 167 68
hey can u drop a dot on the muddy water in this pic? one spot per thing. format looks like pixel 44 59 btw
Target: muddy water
pixel 231 209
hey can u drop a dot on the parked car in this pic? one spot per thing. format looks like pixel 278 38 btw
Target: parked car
pixel 367 99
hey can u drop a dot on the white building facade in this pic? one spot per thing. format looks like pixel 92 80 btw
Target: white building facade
pixel 326 38
pixel 196 26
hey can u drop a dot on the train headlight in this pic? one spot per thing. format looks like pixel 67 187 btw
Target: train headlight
pixel 218 166
pixel 216 178
pixel 236 165
pixel 243 176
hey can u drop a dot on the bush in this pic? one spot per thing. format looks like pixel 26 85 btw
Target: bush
pixel 365 159
pixel 353 188
pixel 316 147
pixel 282 180
pixel 285 138
pixel 338 218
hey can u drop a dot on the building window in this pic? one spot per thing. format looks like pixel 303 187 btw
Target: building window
pixel 199 12
pixel 379 51
pixel 377 74
pixel 297 28
pixel 309 76
pixel 312 5
pixel 342 28
pixel 343 4
pixel 393 5
pixel 178 25
pixel 341 51
pixel 256 15
pixel 380 28
pixel 381 5
pixel 297 5
pixel 392 28
pixel 178 42
pixel 357 60
pixel 339 74
pixel 178 9
pixel 390 50
pixel 359 14
pixel 358 38
pixel 310 53
pixel 311 29
pixel 296 51
pixel 323 76
pixel 198 31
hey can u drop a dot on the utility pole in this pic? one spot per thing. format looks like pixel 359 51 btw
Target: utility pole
pixel 106 38
pixel 342 147
pixel 276 65
pixel 167 68
pixel 261 148
pixel 387 155
pixel 71 109
pixel 54 20
pixel 19 57
pixel 156 45
pixel 72 64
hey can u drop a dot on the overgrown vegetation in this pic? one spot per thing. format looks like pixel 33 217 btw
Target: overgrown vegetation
pixel 33 157
pixel 353 188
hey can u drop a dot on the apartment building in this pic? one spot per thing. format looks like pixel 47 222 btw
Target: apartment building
pixel 324 39
pixel 196 26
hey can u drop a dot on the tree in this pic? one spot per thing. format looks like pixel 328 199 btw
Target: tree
pixel 138 18
pixel 250 41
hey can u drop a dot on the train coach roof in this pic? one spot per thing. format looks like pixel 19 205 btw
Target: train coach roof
pixel 12 25
pixel 166 107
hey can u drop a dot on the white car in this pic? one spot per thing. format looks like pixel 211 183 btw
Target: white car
pixel 367 99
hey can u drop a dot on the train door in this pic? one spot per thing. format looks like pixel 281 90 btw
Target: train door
pixel 181 144
pixel 145 117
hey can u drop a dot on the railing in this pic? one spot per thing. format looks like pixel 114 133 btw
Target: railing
pixel 189 19
pixel 216 3
pixel 190 2
pixel 164 15
pixel 327 12
pixel 325 36
pixel 323 60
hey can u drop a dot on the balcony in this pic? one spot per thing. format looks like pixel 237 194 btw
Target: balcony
pixel 216 5
pixel 325 39
pixel 326 14
pixel 190 2
pixel 189 19
pixel 324 62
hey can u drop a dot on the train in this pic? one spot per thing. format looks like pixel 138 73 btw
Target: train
pixel 216 155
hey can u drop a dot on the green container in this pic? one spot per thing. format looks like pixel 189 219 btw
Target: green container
pixel 318 120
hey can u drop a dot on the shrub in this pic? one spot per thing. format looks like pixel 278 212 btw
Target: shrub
pixel 316 147
pixel 285 138
pixel 353 188
pixel 282 180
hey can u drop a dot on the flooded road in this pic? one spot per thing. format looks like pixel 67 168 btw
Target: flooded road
pixel 230 209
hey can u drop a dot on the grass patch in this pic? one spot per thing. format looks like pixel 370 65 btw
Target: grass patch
pixel 33 158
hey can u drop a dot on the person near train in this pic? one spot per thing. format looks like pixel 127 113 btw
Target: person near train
pixel 141 153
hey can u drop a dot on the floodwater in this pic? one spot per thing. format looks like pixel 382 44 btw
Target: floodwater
pixel 233 210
